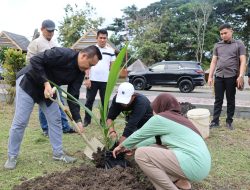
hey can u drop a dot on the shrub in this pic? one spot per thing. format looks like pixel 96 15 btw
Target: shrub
pixel 14 61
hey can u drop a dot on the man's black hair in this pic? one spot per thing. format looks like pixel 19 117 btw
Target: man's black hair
pixel 92 51
pixel 223 26
pixel 102 31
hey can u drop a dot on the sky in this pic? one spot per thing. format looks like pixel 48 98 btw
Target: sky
pixel 23 16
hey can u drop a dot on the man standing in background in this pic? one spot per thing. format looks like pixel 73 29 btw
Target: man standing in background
pixel 40 44
pixel 227 67
pixel 97 77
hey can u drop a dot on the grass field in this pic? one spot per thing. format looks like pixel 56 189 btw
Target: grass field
pixel 230 154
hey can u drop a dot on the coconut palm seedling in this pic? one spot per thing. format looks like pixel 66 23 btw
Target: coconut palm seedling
pixel 112 79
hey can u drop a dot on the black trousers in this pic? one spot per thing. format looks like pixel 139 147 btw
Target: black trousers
pixel 222 85
pixel 91 94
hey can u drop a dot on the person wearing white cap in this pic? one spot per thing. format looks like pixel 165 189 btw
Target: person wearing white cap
pixel 136 107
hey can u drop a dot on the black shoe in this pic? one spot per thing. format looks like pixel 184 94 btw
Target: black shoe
pixel 214 125
pixel 45 133
pixel 85 124
pixel 229 126
pixel 70 131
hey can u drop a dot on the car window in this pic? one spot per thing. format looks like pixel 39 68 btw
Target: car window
pixel 187 65
pixel 158 67
pixel 173 66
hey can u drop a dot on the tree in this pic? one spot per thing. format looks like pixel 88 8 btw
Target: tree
pixel 14 61
pixel 76 22
pixel 182 29
pixel 236 13
pixel 198 23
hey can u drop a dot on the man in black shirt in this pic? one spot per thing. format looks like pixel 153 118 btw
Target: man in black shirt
pixel 136 107
pixel 63 66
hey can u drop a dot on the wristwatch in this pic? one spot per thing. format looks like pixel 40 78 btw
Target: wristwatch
pixel 86 78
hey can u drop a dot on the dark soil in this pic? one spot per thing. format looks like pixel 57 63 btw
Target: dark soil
pixel 87 177
pixel 90 178
pixel 185 107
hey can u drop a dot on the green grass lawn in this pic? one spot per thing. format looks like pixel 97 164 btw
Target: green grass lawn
pixel 230 154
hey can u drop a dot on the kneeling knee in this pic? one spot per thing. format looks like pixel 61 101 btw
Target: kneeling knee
pixel 140 153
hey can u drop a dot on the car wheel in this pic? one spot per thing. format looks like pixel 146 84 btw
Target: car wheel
pixel 186 86
pixel 148 88
pixel 139 84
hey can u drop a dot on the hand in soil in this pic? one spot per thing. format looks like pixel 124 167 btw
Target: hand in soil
pixel 117 150
pixel 130 152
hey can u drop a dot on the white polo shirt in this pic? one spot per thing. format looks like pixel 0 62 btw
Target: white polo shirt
pixel 100 71
pixel 39 45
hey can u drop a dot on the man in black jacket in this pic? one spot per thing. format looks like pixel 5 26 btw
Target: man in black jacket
pixel 63 66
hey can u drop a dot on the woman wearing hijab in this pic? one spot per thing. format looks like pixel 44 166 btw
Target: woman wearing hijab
pixel 170 149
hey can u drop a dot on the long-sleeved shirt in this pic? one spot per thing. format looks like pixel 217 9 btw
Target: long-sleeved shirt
pixel 58 65
pixel 39 45
pixel 136 114
pixel 189 147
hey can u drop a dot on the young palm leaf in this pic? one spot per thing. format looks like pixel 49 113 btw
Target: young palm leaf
pixel 112 79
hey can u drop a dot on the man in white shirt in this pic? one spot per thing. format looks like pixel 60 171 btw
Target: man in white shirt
pixel 40 44
pixel 97 77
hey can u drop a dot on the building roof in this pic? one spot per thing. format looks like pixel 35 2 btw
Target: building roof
pixel 15 41
pixel 89 38
pixel 138 65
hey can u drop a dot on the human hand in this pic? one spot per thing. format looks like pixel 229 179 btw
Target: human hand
pixel 210 81
pixel 113 135
pixel 117 150
pixel 80 128
pixel 48 90
pixel 87 83
pixel 240 83
pixel 130 152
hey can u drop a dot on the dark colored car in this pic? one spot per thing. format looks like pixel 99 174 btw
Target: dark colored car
pixel 185 75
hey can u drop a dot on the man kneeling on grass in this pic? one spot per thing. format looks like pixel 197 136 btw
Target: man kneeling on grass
pixel 63 66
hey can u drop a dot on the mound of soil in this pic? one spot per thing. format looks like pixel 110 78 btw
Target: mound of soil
pixel 90 178
pixel 185 107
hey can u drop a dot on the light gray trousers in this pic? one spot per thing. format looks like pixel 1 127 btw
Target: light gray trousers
pixel 23 108
pixel 160 165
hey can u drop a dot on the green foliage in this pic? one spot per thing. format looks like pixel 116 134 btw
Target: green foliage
pixel 2 54
pixel 113 76
pixel 14 62
pixel 181 25
pixel 152 52
pixel 76 22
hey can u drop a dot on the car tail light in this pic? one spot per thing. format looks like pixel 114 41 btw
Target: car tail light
pixel 199 71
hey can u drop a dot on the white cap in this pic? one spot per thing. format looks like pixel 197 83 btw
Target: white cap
pixel 125 92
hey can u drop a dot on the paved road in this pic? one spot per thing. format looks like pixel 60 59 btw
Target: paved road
pixel 200 96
